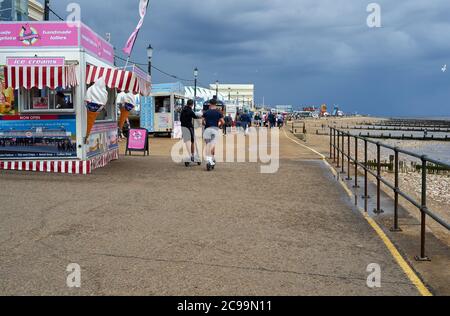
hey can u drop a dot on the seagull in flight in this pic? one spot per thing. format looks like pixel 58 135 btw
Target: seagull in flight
pixel 444 68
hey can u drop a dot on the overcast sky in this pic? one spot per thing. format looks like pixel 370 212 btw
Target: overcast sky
pixel 299 52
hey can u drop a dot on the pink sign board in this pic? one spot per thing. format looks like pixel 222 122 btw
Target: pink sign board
pixel 54 34
pixel 96 45
pixel 35 61
pixel 38 34
pixel 137 139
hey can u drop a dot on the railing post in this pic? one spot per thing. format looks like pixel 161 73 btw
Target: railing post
pixel 356 186
pixel 423 257
pixel 331 144
pixel 343 152
pixel 366 196
pixel 378 210
pixel 396 228
pixel 349 178
pixel 334 144
pixel 338 148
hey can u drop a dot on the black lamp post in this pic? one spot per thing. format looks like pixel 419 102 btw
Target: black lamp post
pixel 195 85
pixel 217 89
pixel 46 10
pixel 229 94
pixel 150 56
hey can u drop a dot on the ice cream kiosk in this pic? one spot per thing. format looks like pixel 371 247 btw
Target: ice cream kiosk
pixel 50 75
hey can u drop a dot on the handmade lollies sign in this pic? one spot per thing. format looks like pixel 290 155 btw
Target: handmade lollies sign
pixel 38 34
pixel 138 141
pixel 55 34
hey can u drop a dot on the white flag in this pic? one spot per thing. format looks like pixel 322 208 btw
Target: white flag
pixel 143 5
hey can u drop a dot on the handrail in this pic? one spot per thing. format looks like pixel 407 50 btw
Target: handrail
pixel 338 154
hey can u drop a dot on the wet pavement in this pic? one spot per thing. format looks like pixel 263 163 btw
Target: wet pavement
pixel 435 272
pixel 147 226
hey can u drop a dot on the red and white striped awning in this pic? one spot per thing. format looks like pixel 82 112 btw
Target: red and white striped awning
pixel 39 77
pixel 122 80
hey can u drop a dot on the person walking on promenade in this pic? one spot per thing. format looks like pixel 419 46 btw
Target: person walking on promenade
pixel 238 121
pixel 257 120
pixel 280 120
pixel 246 121
pixel 126 129
pixel 187 126
pixel 228 124
pixel 272 119
pixel 212 120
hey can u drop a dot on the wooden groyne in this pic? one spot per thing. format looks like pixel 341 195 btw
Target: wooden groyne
pixel 407 167
pixel 400 129
pixel 406 137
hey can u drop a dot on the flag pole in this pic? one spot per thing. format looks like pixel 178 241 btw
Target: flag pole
pixel 136 34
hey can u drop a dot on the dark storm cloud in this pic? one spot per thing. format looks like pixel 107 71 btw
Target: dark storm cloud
pixel 296 51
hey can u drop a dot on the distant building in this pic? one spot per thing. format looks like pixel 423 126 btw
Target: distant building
pixel 35 10
pixel 284 108
pixel 241 94
pixel 21 10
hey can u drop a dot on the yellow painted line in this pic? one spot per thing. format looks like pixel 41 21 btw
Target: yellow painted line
pixel 412 276
pixel 304 146
pixel 423 290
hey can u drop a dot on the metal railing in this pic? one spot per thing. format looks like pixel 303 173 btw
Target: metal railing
pixel 338 155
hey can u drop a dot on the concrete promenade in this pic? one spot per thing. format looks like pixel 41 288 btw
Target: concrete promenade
pixel 147 226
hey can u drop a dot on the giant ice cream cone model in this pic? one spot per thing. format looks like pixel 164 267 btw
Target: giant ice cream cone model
pixel 96 99
pixel 124 114
pixel 128 104
pixel 91 118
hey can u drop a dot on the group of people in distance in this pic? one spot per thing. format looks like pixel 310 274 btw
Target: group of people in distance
pixel 269 120
pixel 214 120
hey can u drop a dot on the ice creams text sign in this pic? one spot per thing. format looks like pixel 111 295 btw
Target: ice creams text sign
pixel 34 61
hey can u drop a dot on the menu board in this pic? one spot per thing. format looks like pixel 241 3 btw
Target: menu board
pixel 138 141
pixel 37 136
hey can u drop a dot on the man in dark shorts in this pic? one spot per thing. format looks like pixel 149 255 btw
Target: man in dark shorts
pixel 212 120
pixel 187 127
pixel 228 124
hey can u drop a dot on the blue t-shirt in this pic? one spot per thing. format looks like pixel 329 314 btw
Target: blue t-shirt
pixel 212 118
pixel 246 118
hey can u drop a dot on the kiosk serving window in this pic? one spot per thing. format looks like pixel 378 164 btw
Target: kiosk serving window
pixel 42 88
pixel 47 99
pixel 162 104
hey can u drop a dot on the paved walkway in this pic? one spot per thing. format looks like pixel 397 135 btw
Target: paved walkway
pixel 145 226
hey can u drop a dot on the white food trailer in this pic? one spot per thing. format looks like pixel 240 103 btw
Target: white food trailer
pixel 168 100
